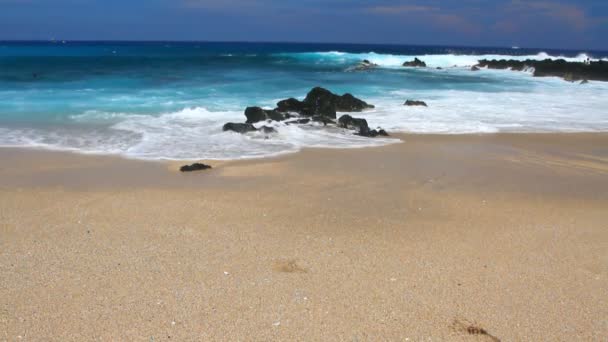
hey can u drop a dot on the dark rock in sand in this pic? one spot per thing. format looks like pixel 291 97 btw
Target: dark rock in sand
pixel 194 167
pixel 257 114
pixel 239 127
pixel 584 82
pixel 570 71
pixel 475 68
pixel 322 102
pixel 415 103
pixel 415 63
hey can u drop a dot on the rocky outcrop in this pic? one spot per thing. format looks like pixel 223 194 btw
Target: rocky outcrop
pixel 475 68
pixel 320 105
pixel 415 63
pixel 322 102
pixel 239 127
pixel 415 103
pixel 194 167
pixel 570 71
pixel 257 114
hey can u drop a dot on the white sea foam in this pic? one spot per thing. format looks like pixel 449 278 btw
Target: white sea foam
pixel 553 106
pixel 443 61
pixel 192 133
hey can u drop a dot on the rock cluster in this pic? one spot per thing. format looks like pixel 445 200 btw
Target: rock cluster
pixel 415 63
pixel 415 103
pixel 319 105
pixel 570 71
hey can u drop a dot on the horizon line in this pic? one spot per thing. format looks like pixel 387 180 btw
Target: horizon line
pixel 289 42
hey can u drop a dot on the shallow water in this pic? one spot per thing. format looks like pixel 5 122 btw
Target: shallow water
pixel 169 100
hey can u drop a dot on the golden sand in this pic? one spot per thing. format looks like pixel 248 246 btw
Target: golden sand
pixel 481 238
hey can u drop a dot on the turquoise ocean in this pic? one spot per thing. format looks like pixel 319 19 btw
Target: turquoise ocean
pixel 169 100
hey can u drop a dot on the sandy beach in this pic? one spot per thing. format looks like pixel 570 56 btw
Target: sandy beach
pixel 498 237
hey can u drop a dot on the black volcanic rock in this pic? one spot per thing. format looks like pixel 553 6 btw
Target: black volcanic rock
pixel 194 167
pixel 275 115
pixel 415 63
pixel 360 125
pixel 239 127
pixel 322 102
pixel 415 103
pixel 257 114
pixel 373 133
pixel 570 71
pixel 347 121
pixel 290 105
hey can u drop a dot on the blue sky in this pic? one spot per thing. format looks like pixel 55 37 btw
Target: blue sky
pixel 579 24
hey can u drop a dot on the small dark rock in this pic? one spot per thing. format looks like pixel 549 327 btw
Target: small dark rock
pixel 361 126
pixel 584 82
pixel 239 127
pixel 475 68
pixel 194 167
pixel 347 121
pixel 415 103
pixel 415 63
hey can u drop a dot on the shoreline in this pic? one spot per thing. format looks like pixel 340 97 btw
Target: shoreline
pixel 437 237
pixel 399 136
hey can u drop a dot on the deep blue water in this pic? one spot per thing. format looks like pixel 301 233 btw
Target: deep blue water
pixel 170 99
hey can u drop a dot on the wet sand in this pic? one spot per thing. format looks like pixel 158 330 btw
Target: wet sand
pixel 472 237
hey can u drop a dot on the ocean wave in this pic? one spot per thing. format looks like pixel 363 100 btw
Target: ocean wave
pixel 442 60
pixel 187 134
